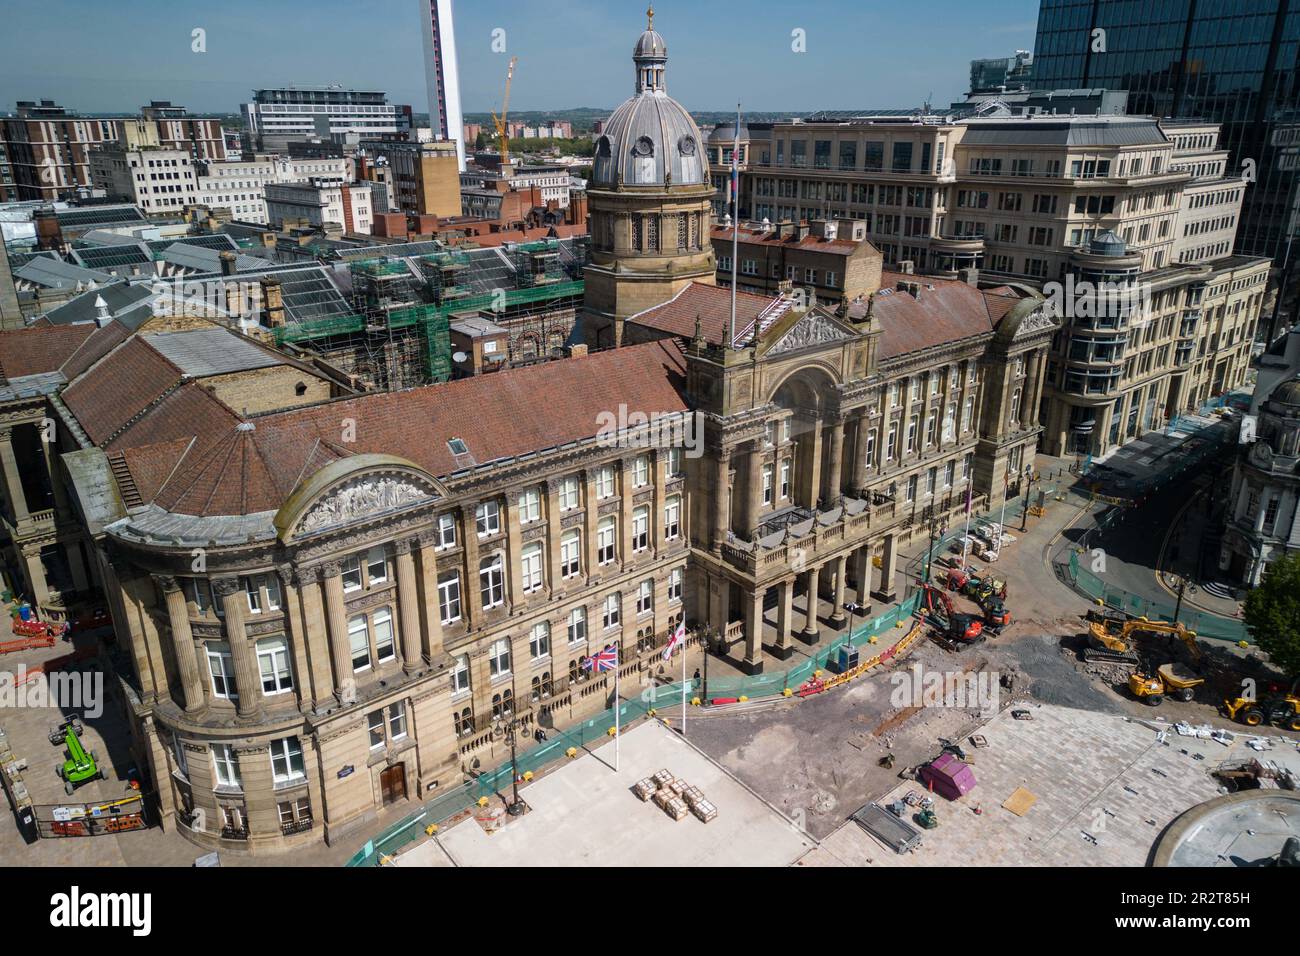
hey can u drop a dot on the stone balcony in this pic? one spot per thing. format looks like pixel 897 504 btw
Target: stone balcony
pixel 798 537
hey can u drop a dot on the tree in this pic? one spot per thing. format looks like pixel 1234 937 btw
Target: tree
pixel 480 143
pixel 1273 613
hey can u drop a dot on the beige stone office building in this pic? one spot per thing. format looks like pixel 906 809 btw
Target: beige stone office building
pixel 1041 200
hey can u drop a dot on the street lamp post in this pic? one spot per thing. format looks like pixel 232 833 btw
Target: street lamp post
pixel 508 727
pixel 1178 605
pixel 1024 518
pixel 854 609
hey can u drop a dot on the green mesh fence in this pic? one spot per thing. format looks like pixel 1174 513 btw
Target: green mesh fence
pixel 1203 623
pixel 580 735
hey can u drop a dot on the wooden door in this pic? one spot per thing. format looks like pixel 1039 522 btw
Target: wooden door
pixel 392 784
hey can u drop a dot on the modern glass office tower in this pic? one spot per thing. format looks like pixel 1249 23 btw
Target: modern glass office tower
pixel 1230 61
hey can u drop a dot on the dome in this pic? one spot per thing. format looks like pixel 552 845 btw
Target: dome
pixel 726 135
pixel 650 139
pixel 1107 244
pixel 1288 393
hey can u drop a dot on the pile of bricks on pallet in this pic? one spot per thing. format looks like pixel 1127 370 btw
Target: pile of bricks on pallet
pixel 675 797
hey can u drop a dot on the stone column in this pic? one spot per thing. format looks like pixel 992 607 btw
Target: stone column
pixel 834 457
pixel 471 605
pixel 408 605
pixel 13 482
pixel 837 616
pixel 809 633
pixel 862 572
pixel 784 613
pixel 753 487
pixel 234 601
pixel 721 494
pixel 753 659
pixel 315 634
pixel 336 616
pixel 888 558
pixel 431 647
pixel 810 469
pixel 858 472
pixel 178 618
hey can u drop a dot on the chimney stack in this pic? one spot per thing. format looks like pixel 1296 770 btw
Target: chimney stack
pixel 228 261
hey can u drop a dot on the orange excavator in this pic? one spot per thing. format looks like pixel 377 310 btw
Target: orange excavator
pixel 953 629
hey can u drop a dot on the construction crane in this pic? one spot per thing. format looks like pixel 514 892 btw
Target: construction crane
pixel 500 124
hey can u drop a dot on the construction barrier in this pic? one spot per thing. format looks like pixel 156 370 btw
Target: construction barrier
pixel 1203 623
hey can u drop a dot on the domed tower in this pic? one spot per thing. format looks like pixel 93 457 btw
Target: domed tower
pixel 648 197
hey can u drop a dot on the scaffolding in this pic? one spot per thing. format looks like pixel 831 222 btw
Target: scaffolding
pixel 398 333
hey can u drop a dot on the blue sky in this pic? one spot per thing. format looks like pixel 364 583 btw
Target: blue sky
pixel 93 55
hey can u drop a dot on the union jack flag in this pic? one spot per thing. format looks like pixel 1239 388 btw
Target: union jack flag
pixel 679 635
pixel 605 660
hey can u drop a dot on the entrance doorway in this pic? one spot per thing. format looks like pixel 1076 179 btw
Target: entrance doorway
pixel 392 784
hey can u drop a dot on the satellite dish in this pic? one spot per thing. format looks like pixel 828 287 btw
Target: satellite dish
pixel 459 356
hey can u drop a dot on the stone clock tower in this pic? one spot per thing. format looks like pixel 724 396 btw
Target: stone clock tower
pixel 649 198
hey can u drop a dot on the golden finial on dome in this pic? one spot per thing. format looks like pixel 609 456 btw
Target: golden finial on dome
pixel 650 17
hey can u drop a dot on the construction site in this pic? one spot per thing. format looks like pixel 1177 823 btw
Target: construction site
pixel 393 332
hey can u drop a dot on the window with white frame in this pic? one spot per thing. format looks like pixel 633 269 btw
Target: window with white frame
pixel 967 463
pixel 222 670
pixel 869 453
pixel 397 720
pixel 605 481
pixel 949 473
pixel 375 728
pixel 273 666
pixel 376 566
pixel 641 528
pixel 931 429
pixel 499 658
pixel 570 553
pixel 674 465
pixel 286 760
pixel 359 642
pixel 931 480
pixel 640 471
pixel 459 674
pixel 645 597
pixel 487 518
pixel 613 610
pixel 253 587
pixel 910 446
pixel 891 442
pixel 351 568
pixel 672 517
pixel 605 541
pixel 382 625
pixel 449 596
pixel 786 467
pixel 199 592
pixel 968 413
pixel 491 581
pixel 1015 407
pixel 577 625
pixel 767 484
pixel 446 530
pixel 785 428
pixel 539 640
pixel 530 505
pixel 530 567
pixel 675 578
pixel 226 766
pixel 568 493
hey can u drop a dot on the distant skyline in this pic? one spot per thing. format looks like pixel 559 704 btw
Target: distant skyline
pixel 572 53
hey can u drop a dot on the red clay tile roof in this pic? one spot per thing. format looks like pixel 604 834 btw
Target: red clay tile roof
pixel 948 310
pixel 40 348
pixel 711 303
pixel 119 387
pixel 95 348
pixel 237 470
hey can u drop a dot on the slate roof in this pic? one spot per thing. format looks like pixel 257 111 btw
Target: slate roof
pixel 713 306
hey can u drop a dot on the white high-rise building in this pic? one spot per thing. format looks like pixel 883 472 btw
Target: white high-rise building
pixel 441 77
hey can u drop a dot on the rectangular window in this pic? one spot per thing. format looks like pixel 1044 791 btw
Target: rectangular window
pixel 640 471
pixel 674 462
pixel 568 494
pixel 286 760
pixel 570 554
pixel 767 484
pixel 382 624
pixel 487 518
pixel 605 541
pixel 226 766
pixel 605 481
pixel 577 625
pixel 253 589
pixel 530 567
pixel 397 720
pixel 359 642
pixel 376 566
pixel 351 572
pixel 672 518
pixel 530 505
pixel 491 582
pixel 675 578
pixel 222 670
pixel 645 597
pixel 613 610
pixel 499 658
pixel 785 479
pixel 449 596
pixel 446 530
pixel 640 529
pixel 539 641
pixel 460 675
pixel 375 728
pixel 273 666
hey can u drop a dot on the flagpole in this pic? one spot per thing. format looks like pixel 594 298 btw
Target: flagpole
pixel 618 663
pixel 683 688
pixel 735 225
